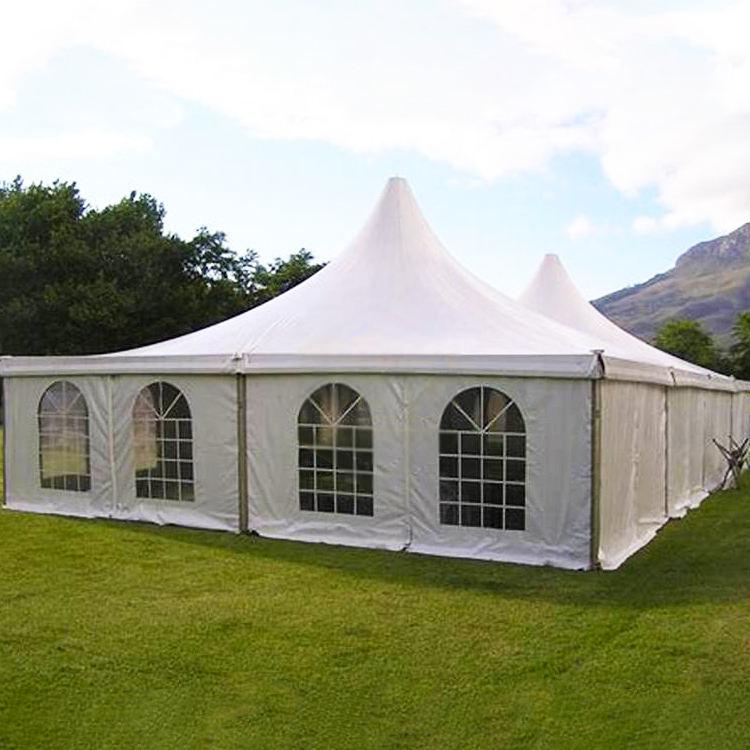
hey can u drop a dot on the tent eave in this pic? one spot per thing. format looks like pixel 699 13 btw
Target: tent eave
pixel 584 366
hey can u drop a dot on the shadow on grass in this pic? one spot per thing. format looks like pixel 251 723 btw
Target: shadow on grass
pixel 704 557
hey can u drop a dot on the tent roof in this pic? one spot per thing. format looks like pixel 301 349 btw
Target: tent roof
pixel 396 301
pixel 394 291
pixel 552 293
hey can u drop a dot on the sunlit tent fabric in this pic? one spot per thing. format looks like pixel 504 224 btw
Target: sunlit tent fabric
pixel 392 400
pixel 657 452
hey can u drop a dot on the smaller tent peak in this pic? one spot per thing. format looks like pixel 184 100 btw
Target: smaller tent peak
pixel 551 282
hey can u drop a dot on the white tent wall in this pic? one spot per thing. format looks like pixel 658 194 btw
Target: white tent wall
pixel 213 405
pixel 741 415
pixel 273 405
pixel 686 447
pixel 22 483
pixel 110 401
pixel 406 412
pixel 557 414
pixel 632 476
pixel 718 422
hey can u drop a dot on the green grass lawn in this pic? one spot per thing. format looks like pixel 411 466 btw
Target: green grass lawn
pixel 117 635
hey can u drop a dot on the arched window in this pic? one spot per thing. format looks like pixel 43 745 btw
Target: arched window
pixel 163 440
pixel 64 439
pixel 335 452
pixel 483 461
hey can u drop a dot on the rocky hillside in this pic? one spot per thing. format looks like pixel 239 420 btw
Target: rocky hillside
pixel 709 283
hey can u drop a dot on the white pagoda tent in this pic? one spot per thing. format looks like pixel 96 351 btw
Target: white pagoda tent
pixel 393 400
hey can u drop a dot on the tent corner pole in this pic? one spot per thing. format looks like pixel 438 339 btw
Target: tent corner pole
pixel 596 457
pixel 242 453
pixel 4 457
pixel 667 456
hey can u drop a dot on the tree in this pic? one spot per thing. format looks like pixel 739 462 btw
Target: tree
pixel 75 280
pixel 688 340
pixel 739 351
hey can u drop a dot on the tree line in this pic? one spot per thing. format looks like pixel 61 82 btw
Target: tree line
pixel 689 340
pixel 80 280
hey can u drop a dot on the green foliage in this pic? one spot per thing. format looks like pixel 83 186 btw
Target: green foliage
pixel 75 280
pixel 740 349
pixel 688 340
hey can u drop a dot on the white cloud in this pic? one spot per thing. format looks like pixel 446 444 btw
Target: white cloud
pixel 645 225
pixel 78 145
pixel 580 228
pixel 490 87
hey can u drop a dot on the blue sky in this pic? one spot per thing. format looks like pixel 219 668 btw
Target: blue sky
pixel 614 134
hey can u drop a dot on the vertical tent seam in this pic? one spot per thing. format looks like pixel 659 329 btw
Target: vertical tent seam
pixel 596 457
pixel 407 465
pixel 111 443
pixel 666 451
pixel 6 463
pixel 243 519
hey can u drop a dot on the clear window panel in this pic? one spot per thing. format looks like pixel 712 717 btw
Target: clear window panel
pixel 324 459
pixel 448 490
pixel 492 493
pixel 471 444
pixel 471 492
pixel 344 460
pixel 307 500
pixel 63 424
pixel 449 514
pixel 345 504
pixel 345 437
pixel 364 483
pixel 163 446
pixel 339 445
pixel 448 442
pixel 471 468
pixel 471 515
pixel 345 482
pixel 516 446
pixel 492 517
pixel 515 494
pixel 324 481
pixel 515 519
pixel 364 505
pixel 306 435
pixel 448 467
pixel 325 503
pixel 363 439
pixel 493 444
pixel 493 469
pixel 515 471
pixel 324 436
pixel 363 461
pixel 482 461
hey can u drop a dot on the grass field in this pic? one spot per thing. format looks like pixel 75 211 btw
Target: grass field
pixel 118 635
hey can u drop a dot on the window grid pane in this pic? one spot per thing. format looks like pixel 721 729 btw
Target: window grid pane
pixel 335 454
pixel 163 442
pixel 482 461
pixel 63 424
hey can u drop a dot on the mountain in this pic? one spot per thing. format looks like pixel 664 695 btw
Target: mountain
pixel 709 283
